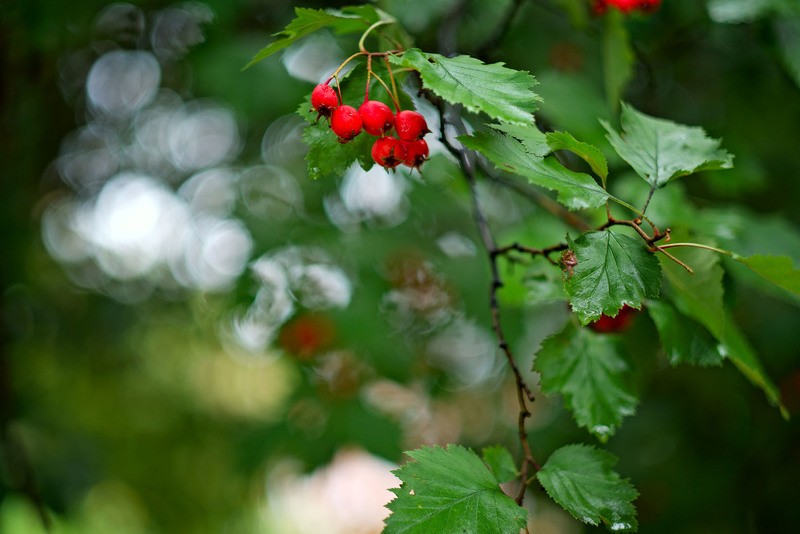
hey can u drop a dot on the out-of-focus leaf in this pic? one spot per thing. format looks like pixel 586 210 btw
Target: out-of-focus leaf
pixel 788 31
pixel 308 21
pixel 684 340
pixel 738 11
pixel 612 270
pixel 699 296
pixel 779 270
pixel 588 370
pixel 450 490
pixel 660 150
pixel 580 478
pixel 502 93
pixel 617 57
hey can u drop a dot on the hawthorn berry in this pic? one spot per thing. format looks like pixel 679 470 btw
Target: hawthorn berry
pixel 410 125
pixel 621 321
pixel 324 100
pixel 376 117
pixel 625 6
pixel 416 153
pixel 388 152
pixel 345 123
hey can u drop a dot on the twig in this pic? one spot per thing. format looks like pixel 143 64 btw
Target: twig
pixel 467 161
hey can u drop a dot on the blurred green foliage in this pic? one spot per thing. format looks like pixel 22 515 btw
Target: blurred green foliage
pixel 148 417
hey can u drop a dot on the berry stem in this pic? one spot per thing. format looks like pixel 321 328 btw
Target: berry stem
pixel 343 65
pixel 395 95
pixel 699 245
pixel 361 41
pixel 395 101
pixel 369 74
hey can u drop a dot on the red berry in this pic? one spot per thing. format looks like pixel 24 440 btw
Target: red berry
pixel 416 153
pixel 345 123
pixel 376 116
pixel 624 5
pixel 621 321
pixel 410 125
pixel 307 335
pixel 388 152
pixel 324 100
pixel 599 7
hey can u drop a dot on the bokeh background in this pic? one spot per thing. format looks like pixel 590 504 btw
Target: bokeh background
pixel 198 338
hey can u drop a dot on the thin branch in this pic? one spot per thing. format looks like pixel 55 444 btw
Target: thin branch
pixel 653 188
pixel 467 161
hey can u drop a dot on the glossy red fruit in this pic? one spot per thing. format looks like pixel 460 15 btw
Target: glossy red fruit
pixel 416 153
pixel 618 323
pixel 410 125
pixel 345 123
pixel 376 117
pixel 324 99
pixel 388 152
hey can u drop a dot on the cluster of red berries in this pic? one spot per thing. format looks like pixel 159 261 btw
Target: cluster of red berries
pixel 626 6
pixel 376 118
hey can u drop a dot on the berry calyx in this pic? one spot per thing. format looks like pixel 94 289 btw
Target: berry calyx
pixel 621 321
pixel 345 123
pixel 388 152
pixel 410 125
pixel 376 117
pixel 416 153
pixel 324 100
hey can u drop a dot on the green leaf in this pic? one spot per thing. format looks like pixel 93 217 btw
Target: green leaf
pixel 788 33
pixel 450 491
pixel 308 21
pixel 532 138
pixel 617 57
pixel 612 270
pixel 660 150
pixel 575 190
pixel 738 349
pixel 588 371
pixel 502 93
pixel 588 153
pixel 684 340
pixel 779 270
pixel 327 157
pixel 500 462
pixel 580 479
pixel 699 296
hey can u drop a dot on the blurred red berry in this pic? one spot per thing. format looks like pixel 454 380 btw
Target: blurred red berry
pixel 307 335
pixel 606 324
